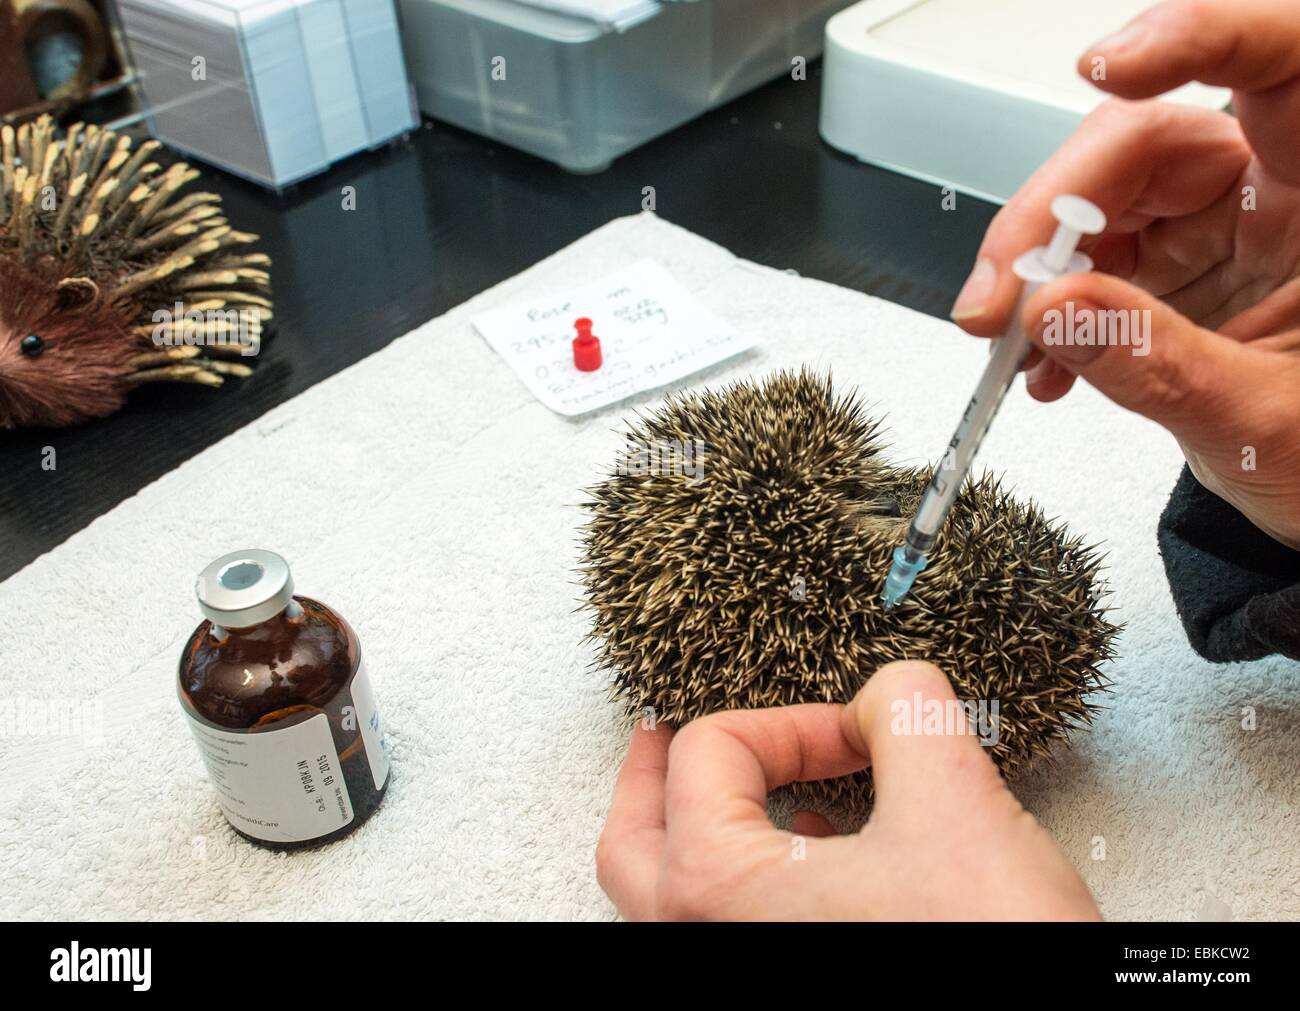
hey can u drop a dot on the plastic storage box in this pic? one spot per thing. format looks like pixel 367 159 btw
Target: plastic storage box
pixel 273 90
pixel 579 94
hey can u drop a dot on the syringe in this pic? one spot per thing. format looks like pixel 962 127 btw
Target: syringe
pixel 1076 217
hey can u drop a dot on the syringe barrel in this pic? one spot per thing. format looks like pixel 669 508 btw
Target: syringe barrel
pixel 1009 353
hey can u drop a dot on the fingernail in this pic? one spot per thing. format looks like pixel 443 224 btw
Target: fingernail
pixel 975 294
pixel 1067 333
pixel 1125 40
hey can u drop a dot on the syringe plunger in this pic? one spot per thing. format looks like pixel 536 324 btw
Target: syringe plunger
pixel 1076 218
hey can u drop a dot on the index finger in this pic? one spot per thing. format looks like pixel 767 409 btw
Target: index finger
pixel 630 847
pixel 1251 46
pixel 1137 162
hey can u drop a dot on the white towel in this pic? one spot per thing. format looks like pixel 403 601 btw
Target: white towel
pixel 424 495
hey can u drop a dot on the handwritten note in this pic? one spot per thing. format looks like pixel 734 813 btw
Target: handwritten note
pixel 652 331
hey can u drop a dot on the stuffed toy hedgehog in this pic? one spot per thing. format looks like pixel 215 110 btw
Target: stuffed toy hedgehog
pixel 735 558
pixel 109 278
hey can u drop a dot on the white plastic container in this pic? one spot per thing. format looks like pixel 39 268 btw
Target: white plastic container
pixel 973 94
pixel 579 93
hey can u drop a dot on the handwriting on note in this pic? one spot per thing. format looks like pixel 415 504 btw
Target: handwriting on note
pixel 652 332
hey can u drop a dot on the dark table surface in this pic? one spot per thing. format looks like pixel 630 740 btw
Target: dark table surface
pixel 447 214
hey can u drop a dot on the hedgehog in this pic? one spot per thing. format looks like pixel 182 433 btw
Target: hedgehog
pixel 111 278
pixel 734 559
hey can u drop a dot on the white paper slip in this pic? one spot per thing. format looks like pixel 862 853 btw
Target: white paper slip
pixel 652 331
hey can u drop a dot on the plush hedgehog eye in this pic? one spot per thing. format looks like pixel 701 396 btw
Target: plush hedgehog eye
pixel 32 345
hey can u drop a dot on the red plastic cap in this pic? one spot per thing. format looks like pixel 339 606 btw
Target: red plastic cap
pixel 586 347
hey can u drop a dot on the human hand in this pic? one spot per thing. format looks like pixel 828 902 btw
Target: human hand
pixel 1204 232
pixel 688 835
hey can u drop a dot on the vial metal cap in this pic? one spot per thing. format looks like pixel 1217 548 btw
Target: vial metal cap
pixel 244 588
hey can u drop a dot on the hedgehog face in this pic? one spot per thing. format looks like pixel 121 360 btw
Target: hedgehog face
pixel 63 348
pixel 758 583
pixel 86 209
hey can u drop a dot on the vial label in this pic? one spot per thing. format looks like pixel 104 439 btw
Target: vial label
pixel 372 729
pixel 281 785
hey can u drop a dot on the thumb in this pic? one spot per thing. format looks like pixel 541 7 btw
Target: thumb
pixel 1140 353
pixel 925 760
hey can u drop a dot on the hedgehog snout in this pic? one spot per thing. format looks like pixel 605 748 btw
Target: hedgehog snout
pixel 49 377
pixel 11 378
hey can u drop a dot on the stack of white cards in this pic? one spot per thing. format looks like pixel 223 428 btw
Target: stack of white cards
pixel 274 90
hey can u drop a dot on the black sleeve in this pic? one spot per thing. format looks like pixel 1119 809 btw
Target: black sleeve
pixel 1236 589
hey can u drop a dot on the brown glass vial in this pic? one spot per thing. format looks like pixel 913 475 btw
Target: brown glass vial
pixel 276 693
